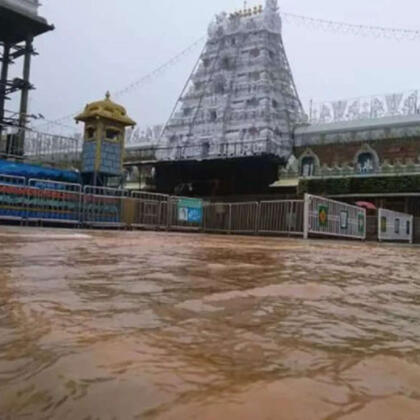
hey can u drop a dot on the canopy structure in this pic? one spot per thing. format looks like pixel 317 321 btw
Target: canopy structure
pixel 17 22
pixel 19 25
pixel 366 205
pixel 38 172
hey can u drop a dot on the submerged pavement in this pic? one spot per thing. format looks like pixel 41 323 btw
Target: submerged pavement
pixel 140 325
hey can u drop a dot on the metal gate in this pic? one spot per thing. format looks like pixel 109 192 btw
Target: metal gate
pixel 327 217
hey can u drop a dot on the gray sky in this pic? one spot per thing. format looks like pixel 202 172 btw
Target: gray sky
pixel 107 44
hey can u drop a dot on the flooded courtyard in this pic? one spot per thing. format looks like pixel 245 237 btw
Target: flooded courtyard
pixel 137 325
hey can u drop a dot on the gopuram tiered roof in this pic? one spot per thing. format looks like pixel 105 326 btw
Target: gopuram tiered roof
pixel 240 99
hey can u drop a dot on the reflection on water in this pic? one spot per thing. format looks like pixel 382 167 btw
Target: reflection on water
pixel 118 325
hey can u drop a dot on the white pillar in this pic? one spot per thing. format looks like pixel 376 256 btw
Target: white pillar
pixel 306 215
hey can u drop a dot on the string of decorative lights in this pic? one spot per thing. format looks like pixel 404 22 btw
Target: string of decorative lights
pixel 161 69
pixel 128 89
pixel 49 123
pixel 366 31
pixel 396 34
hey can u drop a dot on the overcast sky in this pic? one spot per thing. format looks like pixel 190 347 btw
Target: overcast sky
pixel 107 44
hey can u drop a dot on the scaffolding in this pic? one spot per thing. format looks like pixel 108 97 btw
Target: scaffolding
pixel 19 25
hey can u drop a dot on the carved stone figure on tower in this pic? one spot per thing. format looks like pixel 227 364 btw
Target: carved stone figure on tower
pixel 272 5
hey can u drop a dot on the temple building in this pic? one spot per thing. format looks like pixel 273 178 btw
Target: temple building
pixel 233 123
pixel 238 128
pixel 368 152
pixel 361 153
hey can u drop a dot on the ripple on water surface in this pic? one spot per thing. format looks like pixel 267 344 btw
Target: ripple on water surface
pixel 121 325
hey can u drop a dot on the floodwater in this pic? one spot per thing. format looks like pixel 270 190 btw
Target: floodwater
pixel 136 325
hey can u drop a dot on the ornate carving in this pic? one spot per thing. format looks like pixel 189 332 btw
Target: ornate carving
pixel 228 97
pixel 367 165
pixel 379 106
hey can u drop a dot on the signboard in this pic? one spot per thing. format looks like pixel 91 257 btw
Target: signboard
pixel 323 215
pixel 397 226
pixel 384 224
pixel 344 220
pixel 190 210
pixel 361 223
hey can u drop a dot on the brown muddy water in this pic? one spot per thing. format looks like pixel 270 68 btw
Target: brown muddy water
pixel 135 325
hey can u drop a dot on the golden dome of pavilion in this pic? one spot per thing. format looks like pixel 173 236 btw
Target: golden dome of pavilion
pixel 105 109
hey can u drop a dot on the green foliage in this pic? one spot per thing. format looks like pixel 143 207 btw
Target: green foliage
pixel 360 185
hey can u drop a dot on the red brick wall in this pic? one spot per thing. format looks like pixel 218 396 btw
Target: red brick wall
pixel 344 153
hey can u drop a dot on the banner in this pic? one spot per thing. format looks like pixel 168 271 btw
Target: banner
pixel 190 210
pixel 361 223
pixel 323 215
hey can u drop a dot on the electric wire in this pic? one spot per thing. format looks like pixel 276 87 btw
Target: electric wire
pixel 372 31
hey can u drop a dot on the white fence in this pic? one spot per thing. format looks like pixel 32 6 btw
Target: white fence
pixel 324 217
pixel 244 217
pixel 217 217
pixel 394 226
pixel 281 217
pixel 284 217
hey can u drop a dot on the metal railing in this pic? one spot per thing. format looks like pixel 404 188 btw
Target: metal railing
pixel 12 180
pixel 244 218
pixel 384 170
pixel 150 210
pixel 38 147
pixel 217 217
pixel 13 195
pixel 281 217
pixel 52 201
pixel 103 207
pixel 284 217
pixel 416 229
pixel 208 151
pixel 58 202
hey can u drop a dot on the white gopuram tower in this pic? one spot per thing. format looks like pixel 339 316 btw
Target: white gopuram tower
pixel 241 99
